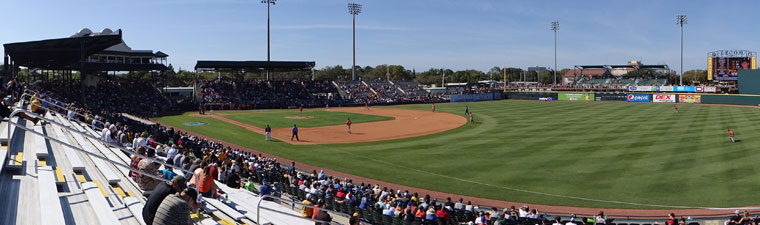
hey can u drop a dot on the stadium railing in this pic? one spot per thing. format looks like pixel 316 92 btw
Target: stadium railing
pixel 264 197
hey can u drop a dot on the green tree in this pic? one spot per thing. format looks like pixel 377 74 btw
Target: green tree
pixel 699 75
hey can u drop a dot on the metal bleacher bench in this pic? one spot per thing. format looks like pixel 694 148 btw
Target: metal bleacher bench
pixel 102 165
pixel 102 209
pixel 74 160
pixel 50 203
pixel 40 144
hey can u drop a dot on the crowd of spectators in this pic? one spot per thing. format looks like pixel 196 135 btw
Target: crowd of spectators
pixel 110 96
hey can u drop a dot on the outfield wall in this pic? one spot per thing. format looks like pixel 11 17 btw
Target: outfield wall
pixel 638 97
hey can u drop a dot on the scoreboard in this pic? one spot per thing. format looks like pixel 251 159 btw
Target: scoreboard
pixel 725 64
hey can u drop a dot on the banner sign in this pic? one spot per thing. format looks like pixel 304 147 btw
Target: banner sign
pixel 639 98
pixel 684 89
pixel 665 88
pixel 547 99
pixel 710 89
pixel 699 89
pixel 576 96
pixel 663 98
pixel 472 97
pixel 690 98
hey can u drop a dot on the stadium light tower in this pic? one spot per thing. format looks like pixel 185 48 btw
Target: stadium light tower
pixel 268 2
pixel 354 9
pixel 681 20
pixel 555 28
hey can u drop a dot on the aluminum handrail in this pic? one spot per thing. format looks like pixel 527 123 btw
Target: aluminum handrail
pixel 70 129
pixel 23 127
pixel 262 197
pixel 77 120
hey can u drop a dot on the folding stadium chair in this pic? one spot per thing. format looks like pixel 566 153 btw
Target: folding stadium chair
pixel 396 220
pixel 633 224
pixel 417 221
pixel 694 223
pixel 367 216
pixel 329 203
pixel 387 220
pixel 378 216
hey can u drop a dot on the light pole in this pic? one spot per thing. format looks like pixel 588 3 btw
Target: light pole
pixel 555 28
pixel 354 9
pixel 681 20
pixel 268 2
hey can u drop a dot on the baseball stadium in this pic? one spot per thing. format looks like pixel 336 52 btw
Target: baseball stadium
pixel 96 132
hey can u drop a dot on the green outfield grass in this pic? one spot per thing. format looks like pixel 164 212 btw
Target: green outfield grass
pixel 623 152
pixel 276 119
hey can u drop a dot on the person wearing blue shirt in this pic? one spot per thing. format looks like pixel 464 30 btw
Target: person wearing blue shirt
pixel 295 133
pixel 265 189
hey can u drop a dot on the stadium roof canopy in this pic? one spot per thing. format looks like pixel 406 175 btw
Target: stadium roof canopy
pixel 62 53
pixel 255 66
pixel 71 53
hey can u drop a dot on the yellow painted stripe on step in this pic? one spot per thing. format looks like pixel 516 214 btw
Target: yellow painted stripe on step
pixel 195 217
pixel 81 177
pixel 19 158
pixel 43 162
pixel 222 221
pixel 103 191
pixel 118 190
pixel 129 194
pixel 59 175
pixel 226 222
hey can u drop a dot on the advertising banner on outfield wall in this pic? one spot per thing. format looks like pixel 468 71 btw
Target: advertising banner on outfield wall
pixel 690 98
pixel 664 98
pixel 684 88
pixel 472 97
pixel 665 88
pixel 710 89
pixel 639 98
pixel 575 96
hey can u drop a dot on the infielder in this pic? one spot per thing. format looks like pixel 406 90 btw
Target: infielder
pixel 348 124
pixel 268 132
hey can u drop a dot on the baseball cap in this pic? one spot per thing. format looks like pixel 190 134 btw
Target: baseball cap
pixel 180 181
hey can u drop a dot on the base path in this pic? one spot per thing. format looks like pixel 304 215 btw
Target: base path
pixel 407 123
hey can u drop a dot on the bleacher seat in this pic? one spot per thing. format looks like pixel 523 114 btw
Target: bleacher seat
pixel 135 207
pixel 102 166
pixel 71 155
pixel 40 143
pixel 50 203
pixel 103 210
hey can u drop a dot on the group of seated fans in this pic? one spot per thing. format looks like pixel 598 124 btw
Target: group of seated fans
pixel 108 96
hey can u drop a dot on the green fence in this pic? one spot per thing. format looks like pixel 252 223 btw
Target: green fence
pixel 731 99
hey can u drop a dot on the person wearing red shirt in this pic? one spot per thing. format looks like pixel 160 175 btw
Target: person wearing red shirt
pixel 731 135
pixel 348 124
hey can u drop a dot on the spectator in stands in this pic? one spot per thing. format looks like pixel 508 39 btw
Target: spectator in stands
pixel 459 204
pixel 5 112
pixel 205 182
pixel 233 180
pixel 265 189
pixel 175 209
pixel 322 215
pixel 307 212
pixel 147 166
pixel 136 158
pixel 572 220
pixel 161 191
pixel 601 218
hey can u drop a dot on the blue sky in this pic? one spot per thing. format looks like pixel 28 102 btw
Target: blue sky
pixel 417 34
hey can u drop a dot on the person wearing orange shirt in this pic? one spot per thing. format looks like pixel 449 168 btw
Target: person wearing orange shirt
pixel 731 135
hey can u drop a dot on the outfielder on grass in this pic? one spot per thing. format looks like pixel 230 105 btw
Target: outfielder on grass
pixel 731 135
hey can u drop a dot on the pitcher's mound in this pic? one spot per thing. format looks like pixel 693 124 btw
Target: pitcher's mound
pixel 299 117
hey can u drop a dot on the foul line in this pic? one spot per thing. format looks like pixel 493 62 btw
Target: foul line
pixel 549 194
